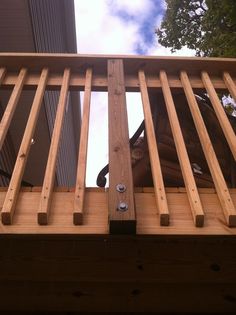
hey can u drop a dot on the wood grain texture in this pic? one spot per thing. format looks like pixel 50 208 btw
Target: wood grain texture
pixel 227 204
pixel 3 72
pixel 49 176
pixel 83 147
pixel 230 84
pixel 190 184
pixel 220 113
pixel 14 186
pixel 95 218
pixel 160 194
pixel 155 274
pixel 152 64
pixel 11 106
pixel 120 171
pixel 99 82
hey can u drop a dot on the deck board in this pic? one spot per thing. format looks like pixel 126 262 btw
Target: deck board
pixel 96 214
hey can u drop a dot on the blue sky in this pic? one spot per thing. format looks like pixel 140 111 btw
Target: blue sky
pixel 116 27
pixel 120 27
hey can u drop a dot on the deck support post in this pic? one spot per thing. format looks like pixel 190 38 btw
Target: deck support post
pixel 121 197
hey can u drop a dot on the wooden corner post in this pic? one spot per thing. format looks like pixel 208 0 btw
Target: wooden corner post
pixel 121 196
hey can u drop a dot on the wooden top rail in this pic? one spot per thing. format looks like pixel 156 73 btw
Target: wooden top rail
pixel 118 75
pixel 150 64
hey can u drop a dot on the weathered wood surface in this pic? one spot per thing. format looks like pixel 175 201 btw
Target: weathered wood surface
pixel 120 171
pixel 96 213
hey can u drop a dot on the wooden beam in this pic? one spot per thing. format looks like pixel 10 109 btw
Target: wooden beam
pixel 79 63
pixel 121 201
pixel 14 186
pixel 49 177
pixel 213 164
pixel 83 147
pixel 160 195
pixel 11 106
pixel 2 74
pixel 190 184
pixel 230 84
pixel 95 221
pixel 220 113
pixel 99 82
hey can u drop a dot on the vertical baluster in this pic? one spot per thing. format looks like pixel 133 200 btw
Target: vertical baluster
pixel 230 84
pixel 159 188
pixel 14 186
pixel 191 188
pixel 2 74
pixel 213 164
pixel 220 113
pixel 11 106
pixel 47 189
pixel 121 195
pixel 83 147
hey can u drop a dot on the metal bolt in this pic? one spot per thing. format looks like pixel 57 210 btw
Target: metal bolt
pixel 121 188
pixel 122 206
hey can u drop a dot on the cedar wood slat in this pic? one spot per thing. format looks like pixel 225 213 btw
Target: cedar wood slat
pixel 160 195
pixel 2 74
pixel 11 106
pixel 230 84
pixel 190 184
pixel 120 171
pixel 82 159
pixel 14 186
pixel 49 176
pixel 220 113
pixel 213 164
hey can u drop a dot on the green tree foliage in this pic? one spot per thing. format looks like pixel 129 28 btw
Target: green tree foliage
pixel 207 26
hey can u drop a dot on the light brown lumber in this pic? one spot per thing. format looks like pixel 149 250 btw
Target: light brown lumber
pixel 99 82
pixel 213 164
pixel 190 184
pixel 14 186
pixel 159 188
pixel 83 147
pixel 220 113
pixel 2 74
pixel 49 178
pixel 120 169
pixel 11 106
pixel 230 84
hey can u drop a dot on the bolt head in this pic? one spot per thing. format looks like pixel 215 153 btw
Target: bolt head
pixel 121 188
pixel 122 206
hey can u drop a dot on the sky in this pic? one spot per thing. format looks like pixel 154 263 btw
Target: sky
pixel 116 27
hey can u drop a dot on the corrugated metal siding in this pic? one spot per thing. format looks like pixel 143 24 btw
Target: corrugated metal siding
pixel 48 23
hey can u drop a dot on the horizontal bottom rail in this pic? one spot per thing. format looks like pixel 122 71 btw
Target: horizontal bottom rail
pixel 96 213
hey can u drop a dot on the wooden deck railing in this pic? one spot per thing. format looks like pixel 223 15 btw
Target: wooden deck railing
pixel 118 75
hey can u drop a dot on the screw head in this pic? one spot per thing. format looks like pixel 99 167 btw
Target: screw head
pixel 121 188
pixel 122 206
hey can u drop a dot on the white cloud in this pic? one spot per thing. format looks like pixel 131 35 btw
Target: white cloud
pixel 138 8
